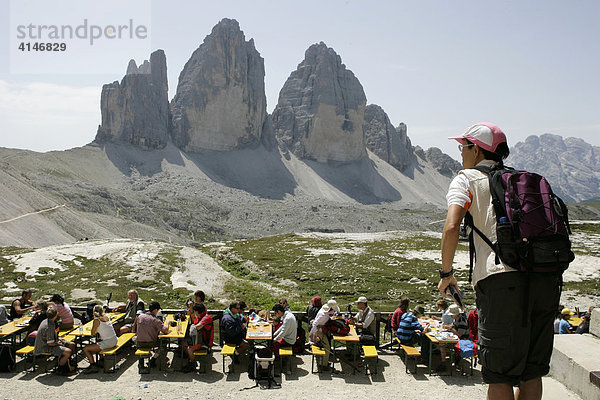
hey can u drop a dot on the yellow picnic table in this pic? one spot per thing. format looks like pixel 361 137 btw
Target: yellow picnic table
pixel 259 331
pixel 176 333
pixel 13 329
pixel 346 340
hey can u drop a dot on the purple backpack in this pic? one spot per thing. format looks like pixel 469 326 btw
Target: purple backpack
pixel 532 224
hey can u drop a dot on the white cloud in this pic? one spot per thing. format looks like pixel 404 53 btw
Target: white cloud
pixel 46 116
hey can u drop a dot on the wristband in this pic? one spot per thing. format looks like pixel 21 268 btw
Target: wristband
pixel 446 274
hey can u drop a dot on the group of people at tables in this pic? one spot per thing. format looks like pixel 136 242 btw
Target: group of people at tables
pixel 50 317
pixel 410 331
pixel 567 321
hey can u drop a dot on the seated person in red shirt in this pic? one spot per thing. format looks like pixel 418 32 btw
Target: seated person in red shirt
pixel 147 327
pixel 402 308
pixel 200 335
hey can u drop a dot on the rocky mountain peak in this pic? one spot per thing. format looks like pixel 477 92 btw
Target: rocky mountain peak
pixel 136 111
pixel 572 166
pixel 388 143
pixel 320 111
pixel 220 102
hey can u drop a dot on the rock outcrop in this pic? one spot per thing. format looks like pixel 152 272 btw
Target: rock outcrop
pixel 442 162
pixel 321 109
pixel 388 143
pixel 571 165
pixel 220 102
pixel 136 111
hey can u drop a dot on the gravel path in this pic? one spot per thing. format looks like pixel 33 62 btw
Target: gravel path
pixel 391 382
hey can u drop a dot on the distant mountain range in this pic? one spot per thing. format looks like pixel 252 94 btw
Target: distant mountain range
pixel 212 164
pixel 571 165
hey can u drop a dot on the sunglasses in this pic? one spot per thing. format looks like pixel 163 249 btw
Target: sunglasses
pixel 462 146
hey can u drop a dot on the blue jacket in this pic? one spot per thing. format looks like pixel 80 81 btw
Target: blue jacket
pixel 231 327
pixel 409 323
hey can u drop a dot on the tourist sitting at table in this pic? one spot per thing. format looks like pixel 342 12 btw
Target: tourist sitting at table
pixel 3 315
pixel 284 303
pixel 285 335
pixel 64 312
pixel 442 305
pixel 39 315
pixel 108 338
pixel 313 309
pixel 558 318
pixel 200 335
pixel 410 329
pixel 564 326
pixel 233 329
pixel 22 305
pixel 584 326
pixel 147 326
pixel 47 341
pixel 199 297
pixel 132 308
pixel 318 337
pixel 364 320
pixel 333 305
pixel 460 325
pixel 402 308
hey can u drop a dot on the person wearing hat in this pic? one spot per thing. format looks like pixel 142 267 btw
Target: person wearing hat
pixel 334 306
pixel 563 325
pixel 147 326
pixel 318 337
pixel 460 325
pixel 519 354
pixel 364 320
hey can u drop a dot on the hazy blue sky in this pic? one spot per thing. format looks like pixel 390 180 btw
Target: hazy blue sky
pixel 532 67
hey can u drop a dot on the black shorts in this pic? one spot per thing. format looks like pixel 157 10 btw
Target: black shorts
pixel 516 333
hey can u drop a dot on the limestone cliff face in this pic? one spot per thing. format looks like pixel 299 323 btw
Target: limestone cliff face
pixel 220 102
pixel 321 109
pixel 136 111
pixel 388 143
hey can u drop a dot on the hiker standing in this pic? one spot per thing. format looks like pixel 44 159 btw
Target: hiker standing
pixel 518 343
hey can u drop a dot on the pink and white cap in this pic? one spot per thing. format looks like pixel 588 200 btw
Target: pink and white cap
pixel 484 134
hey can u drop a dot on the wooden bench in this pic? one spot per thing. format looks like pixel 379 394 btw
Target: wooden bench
pixel 27 352
pixel 410 352
pixel 370 352
pixel 316 352
pixel 143 354
pixel 202 354
pixel 227 350
pixel 289 354
pixel 121 341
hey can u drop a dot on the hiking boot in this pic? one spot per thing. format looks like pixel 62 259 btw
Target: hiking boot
pixel 91 369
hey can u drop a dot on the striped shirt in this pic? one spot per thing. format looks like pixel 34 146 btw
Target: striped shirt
pixel 408 325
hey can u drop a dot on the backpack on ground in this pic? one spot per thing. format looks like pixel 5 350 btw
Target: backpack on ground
pixel 532 224
pixel 298 347
pixel 338 327
pixel 7 359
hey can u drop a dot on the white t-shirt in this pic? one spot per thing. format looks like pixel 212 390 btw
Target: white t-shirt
pixel 470 189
